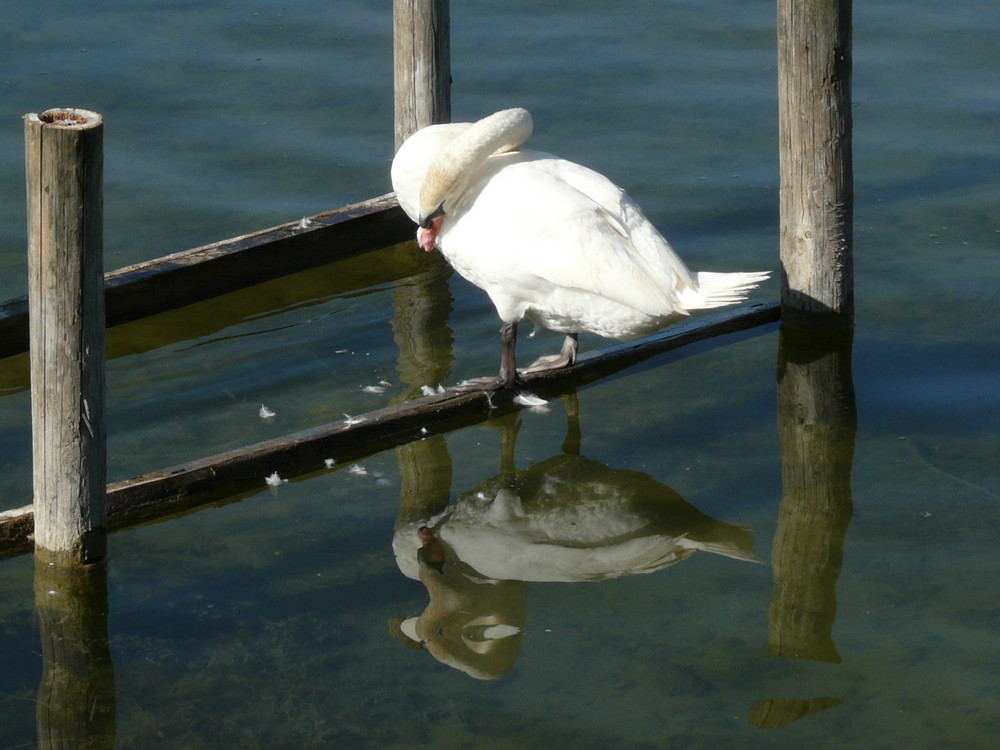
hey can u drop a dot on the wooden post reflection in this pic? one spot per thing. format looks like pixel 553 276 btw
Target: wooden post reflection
pixel 778 712
pixel 76 697
pixel 422 305
pixel 817 423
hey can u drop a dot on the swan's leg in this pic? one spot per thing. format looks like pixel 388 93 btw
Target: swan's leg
pixel 508 363
pixel 570 348
pixel 565 357
pixel 508 377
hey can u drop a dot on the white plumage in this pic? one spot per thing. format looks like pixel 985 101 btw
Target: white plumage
pixel 546 238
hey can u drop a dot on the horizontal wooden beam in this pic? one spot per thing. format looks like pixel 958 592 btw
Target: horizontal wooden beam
pixel 242 472
pixel 173 281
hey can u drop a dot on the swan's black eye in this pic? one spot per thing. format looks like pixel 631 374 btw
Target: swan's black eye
pixel 438 212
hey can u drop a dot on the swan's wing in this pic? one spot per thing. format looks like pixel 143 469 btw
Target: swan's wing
pixel 647 246
pixel 538 221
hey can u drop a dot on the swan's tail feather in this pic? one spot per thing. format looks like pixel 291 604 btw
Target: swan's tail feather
pixel 735 542
pixel 720 289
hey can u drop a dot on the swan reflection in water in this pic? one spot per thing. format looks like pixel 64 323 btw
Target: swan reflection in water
pixel 568 518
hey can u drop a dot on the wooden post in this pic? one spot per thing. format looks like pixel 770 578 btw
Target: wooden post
pixel 64 152
pixel 422 64
pixel 817 181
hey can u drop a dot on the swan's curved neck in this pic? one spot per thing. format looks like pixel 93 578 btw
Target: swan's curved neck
pixel 446 176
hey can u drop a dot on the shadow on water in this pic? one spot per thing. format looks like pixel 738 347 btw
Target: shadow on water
pixel 817 422
pixel 567 519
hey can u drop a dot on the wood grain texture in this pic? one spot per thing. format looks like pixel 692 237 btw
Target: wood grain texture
pixel 815 156
pixel 64 155
pixel 421 64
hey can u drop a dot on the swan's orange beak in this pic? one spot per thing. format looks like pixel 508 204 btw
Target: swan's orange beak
pixel 427 236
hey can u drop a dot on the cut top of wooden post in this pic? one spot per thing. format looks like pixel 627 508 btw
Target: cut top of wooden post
pixel 68 118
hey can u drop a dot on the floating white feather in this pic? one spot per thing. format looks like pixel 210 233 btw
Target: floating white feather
pixel 274 480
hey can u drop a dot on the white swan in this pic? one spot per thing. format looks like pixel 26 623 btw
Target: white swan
pixel 546 238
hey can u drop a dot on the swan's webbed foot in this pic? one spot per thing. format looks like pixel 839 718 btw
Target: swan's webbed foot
pixel 565 357
pixel 481 384
pixel 509 376
pixel 547 362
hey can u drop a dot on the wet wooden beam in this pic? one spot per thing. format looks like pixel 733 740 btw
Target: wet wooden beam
pixel 187 486
pixel 163 284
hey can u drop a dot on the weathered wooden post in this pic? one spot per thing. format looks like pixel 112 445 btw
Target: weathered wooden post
pixel 64 152
pixel 817 181
pixel 422 64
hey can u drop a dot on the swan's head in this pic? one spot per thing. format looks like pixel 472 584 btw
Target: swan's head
pixel 413 162
pixel 410 168
pixel 433 167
